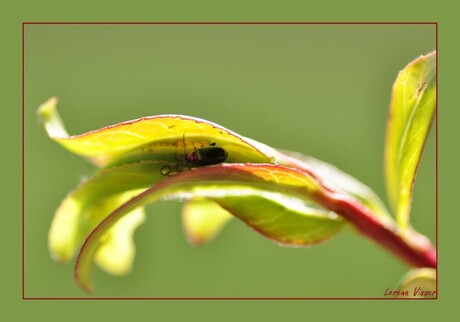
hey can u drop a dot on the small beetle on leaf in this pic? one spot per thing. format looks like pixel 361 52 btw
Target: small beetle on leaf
pixel 199 157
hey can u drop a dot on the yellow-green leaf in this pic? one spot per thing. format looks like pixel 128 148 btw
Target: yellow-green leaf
pixel 273 192
pixel 418 283
pixel 202 220
pixel 93 200
pixel 116 254
pixel 412 108
pixel 135 155
pixel 161 137
pixel 287 220
pixel 337 180
pixel 276 201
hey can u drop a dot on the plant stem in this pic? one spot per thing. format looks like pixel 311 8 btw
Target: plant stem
pixel 409 245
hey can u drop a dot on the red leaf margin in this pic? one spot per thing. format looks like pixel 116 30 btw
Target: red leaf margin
pixel 413 248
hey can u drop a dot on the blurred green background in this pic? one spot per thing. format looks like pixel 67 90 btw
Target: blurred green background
pixel 322 90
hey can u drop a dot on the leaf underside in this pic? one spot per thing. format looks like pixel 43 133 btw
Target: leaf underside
pixel 284 212
pixel 145 160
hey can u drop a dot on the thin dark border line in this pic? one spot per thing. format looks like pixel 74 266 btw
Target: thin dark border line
pixel 220 298
pixel 227 23
pixel 437 162
pixel 226 299
pixel 23 166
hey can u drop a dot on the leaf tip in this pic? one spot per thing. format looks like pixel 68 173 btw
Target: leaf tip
pixel 83 283
pixel 88 288
pixel 418 283
pixel 47 109
pixel 412 107
pixel 49 117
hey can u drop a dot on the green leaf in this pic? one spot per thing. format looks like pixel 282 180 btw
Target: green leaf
pixel 94 199
pixel 287 220
pixel 329 177
pixel 325 173
pixel 70 227
pixel 337 180
pixel 276 201
pixel 418 283
pixel 136 154
pixel 116 254
pixel 275 193
pixel 202 220
pixel 412 108
pixel 161 137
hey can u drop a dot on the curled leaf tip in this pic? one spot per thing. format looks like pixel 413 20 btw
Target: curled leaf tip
pixel 49 117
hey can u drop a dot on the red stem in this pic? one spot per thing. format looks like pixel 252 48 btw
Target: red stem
pixel 418 253
pixel 409 245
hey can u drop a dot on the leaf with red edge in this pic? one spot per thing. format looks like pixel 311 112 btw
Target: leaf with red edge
pixel 287 198
pixel 94 199
pixel 334 179
pixel 136 154
pixel 276 201
pixel 160 137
